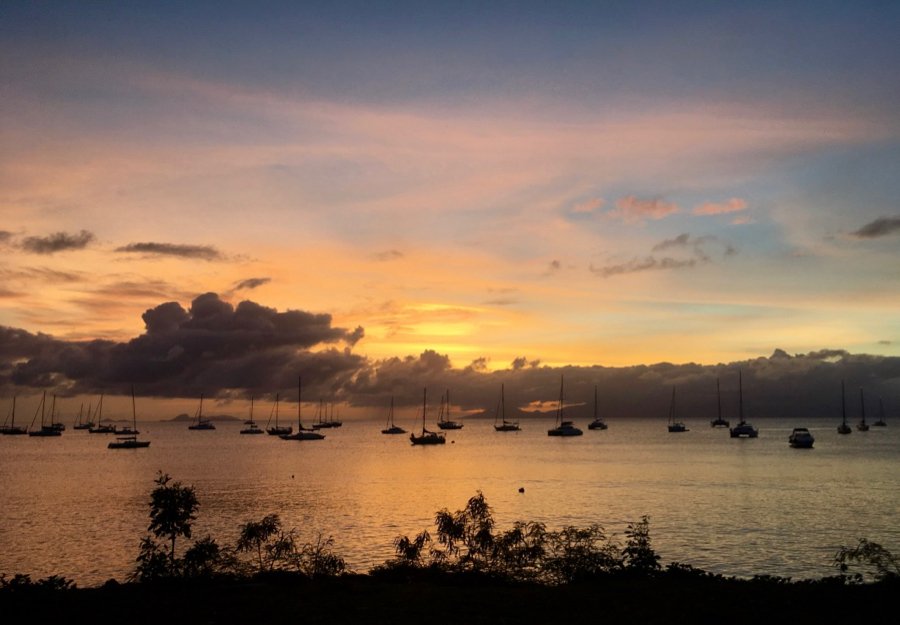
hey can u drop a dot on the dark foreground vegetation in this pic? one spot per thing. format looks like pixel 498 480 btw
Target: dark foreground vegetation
pixel 468 572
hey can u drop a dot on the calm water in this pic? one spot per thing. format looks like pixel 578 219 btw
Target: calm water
pixel 70 506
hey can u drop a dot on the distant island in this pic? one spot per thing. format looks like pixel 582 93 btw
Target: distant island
pixel 186 417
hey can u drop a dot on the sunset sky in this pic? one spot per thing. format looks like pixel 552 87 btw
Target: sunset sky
pixel 613 183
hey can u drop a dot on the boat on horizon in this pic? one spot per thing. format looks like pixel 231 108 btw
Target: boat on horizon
pixel 390 428
pixel 719 422
pixel 563 427
pixel 598 423
pixel 862 426
pixel 277 430
pixel 46 430
pixel 504 425
pixel 130 440
pixel 100 428
pixel 742 429
pixel 80 422
pixel 674 425
pixel 444 420
pixel 251 428
pixel 880 423
pixel 9 427
pixel 427 437
pixel 201 423
pixel 326 421
pixel 843 428
pixel 302 433
pixel 801 438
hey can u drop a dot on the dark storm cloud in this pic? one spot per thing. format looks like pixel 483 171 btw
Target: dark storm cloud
pixel 218 349
pixel 883 226
pixel 202 252
pixel 57 242
pixel 210 348
pixel 251 283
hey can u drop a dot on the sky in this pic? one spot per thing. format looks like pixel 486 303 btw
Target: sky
pixel 215 195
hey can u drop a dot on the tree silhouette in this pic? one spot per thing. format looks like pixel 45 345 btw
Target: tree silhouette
pixel 172 510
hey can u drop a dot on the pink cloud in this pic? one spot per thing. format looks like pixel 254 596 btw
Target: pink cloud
pixel 733 205
pixel 635 210
pixel 588 206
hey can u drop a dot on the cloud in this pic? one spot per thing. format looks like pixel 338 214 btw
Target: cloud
pixel 650 263
pixel 681 240
pixel 211 347
pixel 883 226
pixel 733 205
pixel 251 283
pixel 695 247
pixel 203 252
pixel 588 207
pixel 631 209
pixel 57 242
pixel 388 255
pixel 5 237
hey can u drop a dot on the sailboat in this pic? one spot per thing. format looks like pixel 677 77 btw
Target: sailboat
pixel 54 422
pixel 843 428
pixel 444 421
pixel 862 426
pixel 504 425
pixel 80 422
pixel 251 428
pixel 719 422
pixel 324 421
pixel 390 428
pixel 427 437
pixel 302 433
pixel 46 430
pixel 129 441
pixel 742 429
pixel 201 423
pixel 674 425
pixel 10 428
pixel 277 430
pixel 598 423
pixel 880 423
pixel 109 428
pixel 563 428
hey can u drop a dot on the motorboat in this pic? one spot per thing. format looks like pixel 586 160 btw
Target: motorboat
pixel 801 438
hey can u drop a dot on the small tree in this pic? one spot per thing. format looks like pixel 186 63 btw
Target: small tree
pixel 638 552
pixel 870 554
pixel 172 510
pixel 319 560
pixel 256 536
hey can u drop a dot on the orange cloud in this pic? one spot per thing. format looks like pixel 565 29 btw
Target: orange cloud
pixel 588 206
pixel 635 210
pixel 719 208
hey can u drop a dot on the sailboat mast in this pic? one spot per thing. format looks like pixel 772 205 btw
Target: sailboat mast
pixel 595 402
pixel 502 404
pixel 843 405
pixel 559 407
pixel 424 403
pixel 740 396
pixel 299 401
pixel 719 399
pixel 133 410
pixel 862 405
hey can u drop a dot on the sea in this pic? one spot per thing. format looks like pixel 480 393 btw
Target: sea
pixel 69 506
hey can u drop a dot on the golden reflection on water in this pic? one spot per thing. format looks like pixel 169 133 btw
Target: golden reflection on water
pixel 72 507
